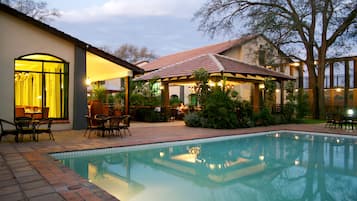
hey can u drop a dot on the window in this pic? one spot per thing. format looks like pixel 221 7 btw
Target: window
pixel 41 86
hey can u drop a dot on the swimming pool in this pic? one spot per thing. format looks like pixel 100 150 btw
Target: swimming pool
pixel 259 167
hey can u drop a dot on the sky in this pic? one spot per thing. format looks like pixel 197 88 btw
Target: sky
pixel 163 26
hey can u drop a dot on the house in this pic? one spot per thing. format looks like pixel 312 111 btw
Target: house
pixel 246 55
pixel 43 70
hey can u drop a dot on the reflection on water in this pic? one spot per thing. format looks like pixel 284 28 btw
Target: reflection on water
pixel 277 166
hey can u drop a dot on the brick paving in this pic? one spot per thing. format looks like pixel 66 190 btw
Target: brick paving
pixel 27 172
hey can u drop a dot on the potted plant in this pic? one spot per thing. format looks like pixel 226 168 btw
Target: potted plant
pixel 118 98
pixel 99 96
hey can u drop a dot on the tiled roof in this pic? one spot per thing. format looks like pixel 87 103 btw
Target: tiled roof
pixel 210 49
pixel 213 63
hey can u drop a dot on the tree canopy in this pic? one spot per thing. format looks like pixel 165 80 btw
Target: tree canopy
pixel 134 54
pixel 37 10
pixel 305 30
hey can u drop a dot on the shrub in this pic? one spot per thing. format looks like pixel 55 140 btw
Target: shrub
pixel 193 119
pixel 220 110
pixel 264 118
pixel 149 115
pixel 244 111
pixel 302 107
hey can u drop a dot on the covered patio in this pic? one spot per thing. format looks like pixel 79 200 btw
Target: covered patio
pixel 107 67
pixel 218 67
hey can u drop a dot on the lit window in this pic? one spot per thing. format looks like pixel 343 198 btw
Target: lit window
pixel 41 86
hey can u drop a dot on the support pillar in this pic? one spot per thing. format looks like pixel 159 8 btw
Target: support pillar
pixel 355 83
pixel 332 85
pixel 256 97
pixel 165 95
pixel 301 76
pixel 127 93
pixel 347 84
pixel 282 95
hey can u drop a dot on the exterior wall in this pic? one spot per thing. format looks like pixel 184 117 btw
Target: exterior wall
pixel 235 53
pixel 18 38
pixel 248 53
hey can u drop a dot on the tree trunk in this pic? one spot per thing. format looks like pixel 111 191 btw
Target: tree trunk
pixel 314 88
pixel 321 95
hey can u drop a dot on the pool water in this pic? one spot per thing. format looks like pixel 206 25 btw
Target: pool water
pixel 268 166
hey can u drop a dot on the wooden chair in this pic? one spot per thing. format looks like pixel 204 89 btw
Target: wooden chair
pixel 47 129
pixel 8 128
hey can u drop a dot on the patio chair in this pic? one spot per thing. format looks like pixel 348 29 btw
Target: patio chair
pixel 91 126
pixel 125 124
pixel 47 129
pixel 330 121
pixel 25 126
pixel 104 123
pixel 8 128
pixel 115 125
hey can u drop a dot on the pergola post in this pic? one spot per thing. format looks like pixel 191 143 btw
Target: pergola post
pixel 256 97
pixel 347 84
pixel 282 86
pixel 127 92
pixel 301 76
pixel 332 85
pixel 165 96
pixel 355 82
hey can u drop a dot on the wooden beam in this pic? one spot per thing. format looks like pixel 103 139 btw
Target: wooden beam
pixel 256 97
pixel 127 92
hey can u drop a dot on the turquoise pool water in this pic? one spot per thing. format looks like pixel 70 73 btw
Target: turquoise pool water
pixel 268 166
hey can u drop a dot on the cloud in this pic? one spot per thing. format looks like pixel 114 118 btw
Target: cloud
pixel 132 8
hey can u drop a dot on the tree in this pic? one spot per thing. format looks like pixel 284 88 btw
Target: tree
pixel 134 54
pixel 37 10
pixel 313 27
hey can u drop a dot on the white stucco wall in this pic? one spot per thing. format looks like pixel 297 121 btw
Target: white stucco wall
pixel 18 38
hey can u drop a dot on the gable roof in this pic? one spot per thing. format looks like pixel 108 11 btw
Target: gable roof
pixel 67 37
pixel 218 48
pixel 215 65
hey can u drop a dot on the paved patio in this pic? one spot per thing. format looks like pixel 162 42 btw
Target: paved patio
pixel 28 173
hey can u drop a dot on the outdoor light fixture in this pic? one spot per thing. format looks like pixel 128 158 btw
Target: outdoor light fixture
pixel 261 86
pixel 297 162
pixel 296 64
pixel 338 89
pixel 350 112
pixel 88 82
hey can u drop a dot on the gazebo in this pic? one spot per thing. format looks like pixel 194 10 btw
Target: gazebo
pixel 217 66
